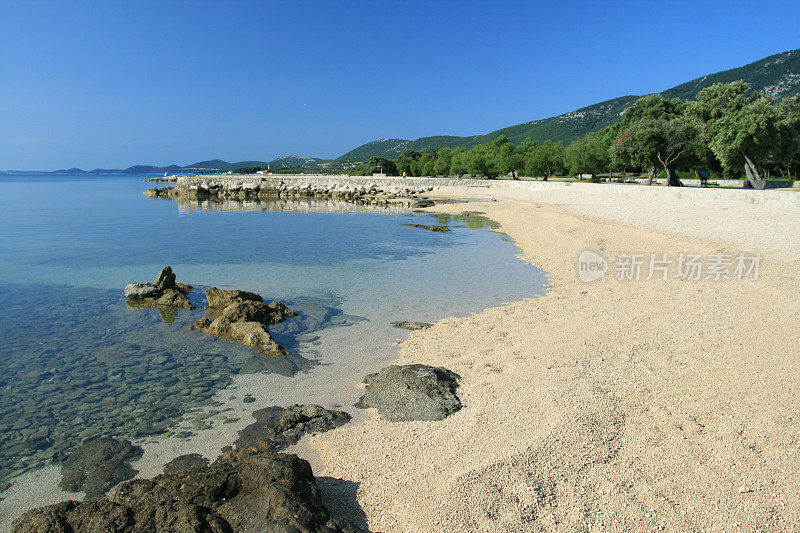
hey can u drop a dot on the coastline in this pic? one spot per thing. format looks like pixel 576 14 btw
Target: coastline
pixel 344 354
pixel 615 405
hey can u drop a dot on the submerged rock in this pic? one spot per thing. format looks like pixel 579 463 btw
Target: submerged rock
pixel 244 319
pixel 277 427
pixel 163 192
pixel 182 463
pixel 412 392
pixel 424 203
pixel 438 229
pixel 238 492
pixel 97 465
pixel 412 326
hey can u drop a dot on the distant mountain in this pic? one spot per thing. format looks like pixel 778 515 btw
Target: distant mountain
pixel 777 75
pixel 296 161
pixel 395 147
pixel 213 165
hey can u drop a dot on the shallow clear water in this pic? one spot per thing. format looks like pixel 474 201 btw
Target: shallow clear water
pixel 75 362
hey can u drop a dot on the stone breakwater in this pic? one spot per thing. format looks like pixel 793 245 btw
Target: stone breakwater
pixel 383 192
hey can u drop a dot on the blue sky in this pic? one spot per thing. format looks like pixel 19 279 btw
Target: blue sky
pixel 111 84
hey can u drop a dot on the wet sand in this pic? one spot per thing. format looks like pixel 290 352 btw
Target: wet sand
pixel 612 405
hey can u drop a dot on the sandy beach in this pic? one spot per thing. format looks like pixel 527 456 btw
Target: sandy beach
pixel 604 406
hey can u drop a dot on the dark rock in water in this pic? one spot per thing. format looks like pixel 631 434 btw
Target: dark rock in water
pixel 424 203
pixel 238 492
pixel 248 399
pixel 246 322
pixel 412 392
pixel 165 279
pixel 472 213
pixel 438 229
pixel 412 326
pixel 165 292
pixel 174 298
pixel 182 463
pixel 140 290
pixel 276 427
pixel 97 465
pixel 156 192
pixel 222 298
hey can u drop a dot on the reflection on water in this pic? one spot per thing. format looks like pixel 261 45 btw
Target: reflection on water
pixel 76 363
pixel 304 205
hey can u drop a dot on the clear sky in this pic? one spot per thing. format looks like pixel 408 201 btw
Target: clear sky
pixel 111 84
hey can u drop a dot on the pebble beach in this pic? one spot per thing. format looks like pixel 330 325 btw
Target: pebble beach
pixel 614 405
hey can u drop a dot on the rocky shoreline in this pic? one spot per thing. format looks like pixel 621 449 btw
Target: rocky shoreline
pixel 249 187
pixel 249 486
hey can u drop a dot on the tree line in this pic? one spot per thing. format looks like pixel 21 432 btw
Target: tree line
pixel 726 131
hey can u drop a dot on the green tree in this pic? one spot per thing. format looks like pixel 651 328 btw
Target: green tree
pixel 459 163
pixel 588 155
pixel 655 133
pixel 443 158
pixel 407 162
pixel 481 161
pixel 741 130
pixel 509 160
pixel 545 160
pixel 381 164
pixel 789 143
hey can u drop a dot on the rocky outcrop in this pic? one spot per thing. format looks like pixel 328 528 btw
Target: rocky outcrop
pixel 277 427
pixel 182 463
pixel 437 229
pixel 412 392
pixel 244 319
pixel 163 292
pixel 160 192
pixel 97 465
pixel 251 187
pixel 238 492
pixel 412 326
pixel 221 298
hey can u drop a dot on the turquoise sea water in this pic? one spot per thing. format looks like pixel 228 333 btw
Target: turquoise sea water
pixel 75 362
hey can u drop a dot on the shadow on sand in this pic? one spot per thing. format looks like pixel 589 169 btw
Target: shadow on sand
pixel 339 497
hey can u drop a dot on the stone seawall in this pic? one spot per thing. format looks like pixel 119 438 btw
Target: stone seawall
pixel 360 191
pixel 294 185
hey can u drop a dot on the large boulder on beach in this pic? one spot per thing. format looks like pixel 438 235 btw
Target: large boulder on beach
pixel 238 492
pixel 277 427
pixel 97 465
pixel 412 392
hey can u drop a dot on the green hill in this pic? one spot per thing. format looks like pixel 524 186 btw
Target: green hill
pixel 295 161
pixel 777 75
